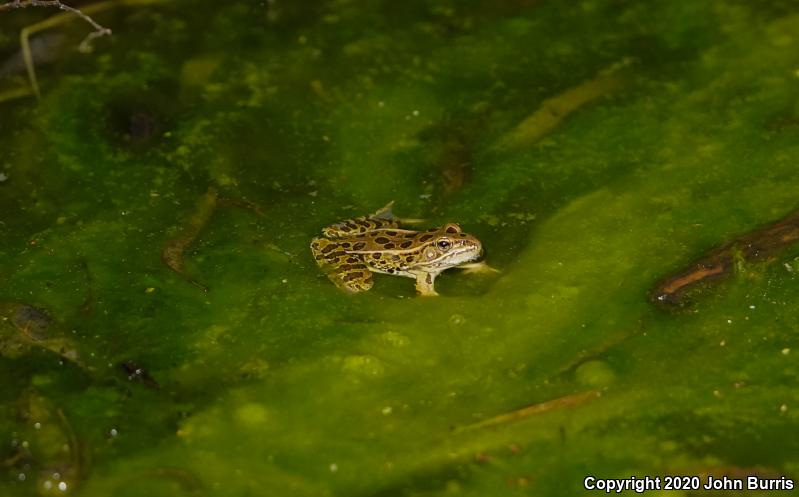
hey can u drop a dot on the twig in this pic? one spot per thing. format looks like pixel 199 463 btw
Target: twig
pixel 85 45
pixel 173 251
pixel 566 402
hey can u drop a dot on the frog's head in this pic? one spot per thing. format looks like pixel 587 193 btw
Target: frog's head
pixel 448 247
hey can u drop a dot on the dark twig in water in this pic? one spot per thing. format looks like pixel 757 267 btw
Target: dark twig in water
pixel 85 45
pixel 56 20
pixel 759 245
pixel 25 34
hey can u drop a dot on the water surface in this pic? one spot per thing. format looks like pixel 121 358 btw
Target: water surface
pixel 666 130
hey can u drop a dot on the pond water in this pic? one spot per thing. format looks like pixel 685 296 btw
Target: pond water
pixel 165 330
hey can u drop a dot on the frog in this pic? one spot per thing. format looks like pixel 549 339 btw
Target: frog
pixel 350 251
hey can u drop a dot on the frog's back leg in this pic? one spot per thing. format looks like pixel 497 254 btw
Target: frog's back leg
pixel 346 271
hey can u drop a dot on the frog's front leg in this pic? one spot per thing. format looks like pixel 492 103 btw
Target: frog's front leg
pixel 424 284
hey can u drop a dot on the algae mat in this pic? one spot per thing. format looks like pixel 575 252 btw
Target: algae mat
pixel 165 330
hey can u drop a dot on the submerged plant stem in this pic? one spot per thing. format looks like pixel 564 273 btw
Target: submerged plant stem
pixel 173 252
pixel 15 93
pixel 555 109
pixel 568 401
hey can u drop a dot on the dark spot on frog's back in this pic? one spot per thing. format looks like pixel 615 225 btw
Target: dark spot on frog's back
pixel 411 235
pixel 406 244
pixel 353 276
pixel 359 246
pixel 391 233
pixel 425 238
pixel 452 229
pixel 389 246
pixel 330 247
pixel 381 240
pixel 376 256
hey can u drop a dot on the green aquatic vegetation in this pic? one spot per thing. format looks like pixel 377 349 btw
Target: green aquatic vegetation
pixel 273 382
pixel 25 326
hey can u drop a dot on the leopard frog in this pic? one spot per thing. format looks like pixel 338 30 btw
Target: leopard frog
pixel 350 251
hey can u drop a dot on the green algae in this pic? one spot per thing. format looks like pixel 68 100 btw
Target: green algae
pixel 275 383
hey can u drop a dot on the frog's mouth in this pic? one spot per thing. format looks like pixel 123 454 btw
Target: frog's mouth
pixel 459 255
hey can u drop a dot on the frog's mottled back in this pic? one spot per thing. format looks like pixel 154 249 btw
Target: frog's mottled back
pixel 383 218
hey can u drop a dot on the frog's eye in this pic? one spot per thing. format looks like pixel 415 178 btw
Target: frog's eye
pixel 444 244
